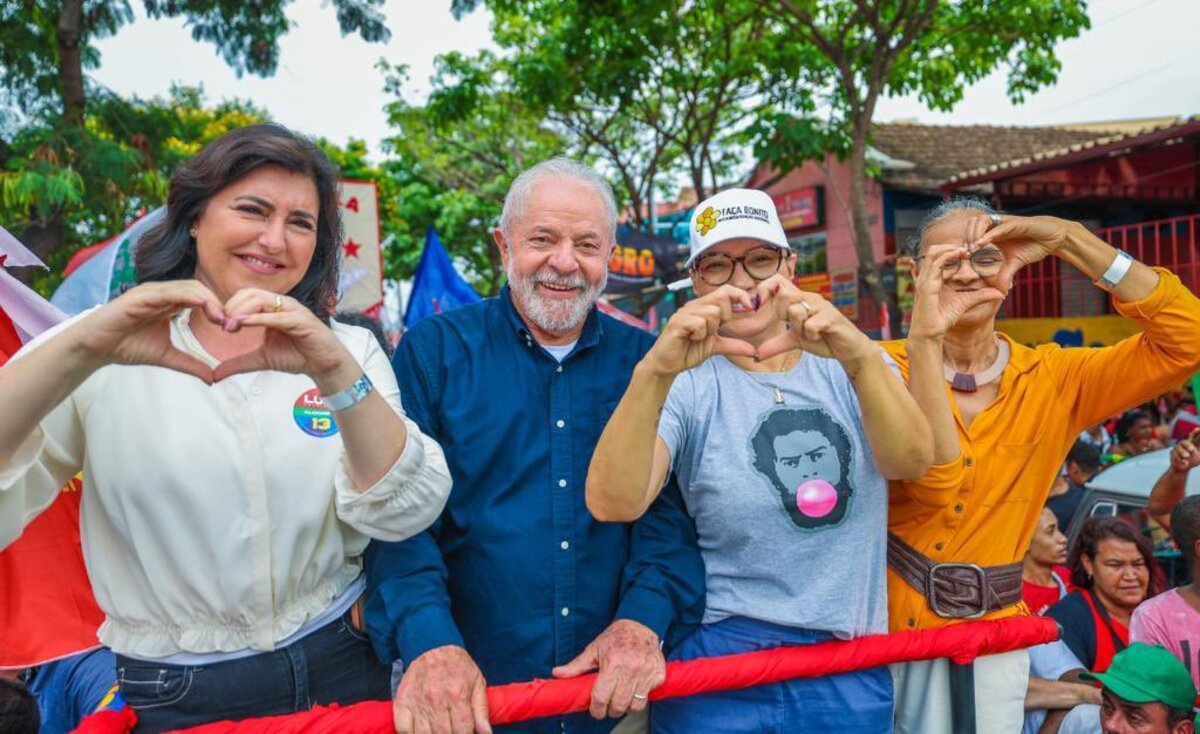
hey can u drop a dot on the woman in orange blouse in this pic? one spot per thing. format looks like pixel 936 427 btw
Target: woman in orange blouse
pixel 1018 410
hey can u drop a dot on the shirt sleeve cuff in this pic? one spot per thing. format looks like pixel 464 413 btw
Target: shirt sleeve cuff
pixel 24 459
pixel 1148 307
pixel 406 500
pixel 425 629
pixel 649 607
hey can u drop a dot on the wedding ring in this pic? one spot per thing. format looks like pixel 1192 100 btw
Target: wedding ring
pixel 640 696
pixel 995 218
pixel 278 303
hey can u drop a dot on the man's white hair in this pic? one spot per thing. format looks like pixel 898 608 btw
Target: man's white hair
pixel 561 167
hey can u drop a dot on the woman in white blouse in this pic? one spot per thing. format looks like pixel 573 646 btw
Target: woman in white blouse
pixel 238 447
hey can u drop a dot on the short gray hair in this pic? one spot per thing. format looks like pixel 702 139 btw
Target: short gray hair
pixel 522 186
pixel 970 204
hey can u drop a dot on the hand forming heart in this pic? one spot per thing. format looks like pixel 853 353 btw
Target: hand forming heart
pixel 937 308
pixel 1023 240
pixel 814 324
pixel 135 329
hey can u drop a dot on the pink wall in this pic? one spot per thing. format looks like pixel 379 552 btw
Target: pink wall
pixel 840 252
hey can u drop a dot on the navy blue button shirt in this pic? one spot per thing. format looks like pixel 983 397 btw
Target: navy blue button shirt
pixel 516 570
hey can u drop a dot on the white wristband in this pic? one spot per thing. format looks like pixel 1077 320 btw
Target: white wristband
pixel 343 399
pixel 1116 272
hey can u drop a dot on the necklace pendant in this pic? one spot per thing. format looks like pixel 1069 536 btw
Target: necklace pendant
pixel 964 383
pixel 778 397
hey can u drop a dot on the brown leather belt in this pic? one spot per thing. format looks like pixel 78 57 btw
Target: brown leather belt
pixel 956 590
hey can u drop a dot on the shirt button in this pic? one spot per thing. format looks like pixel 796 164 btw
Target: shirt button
pixel 564 545
pixel 565 611
pixel 959 508
pixel 561 423
pixel 969 461
pixel 939 546
pixel 912 622
pixel 562 482
pixel 256 390
pixel 559 368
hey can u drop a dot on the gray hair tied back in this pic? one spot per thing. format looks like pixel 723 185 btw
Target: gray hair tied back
pixel 970 204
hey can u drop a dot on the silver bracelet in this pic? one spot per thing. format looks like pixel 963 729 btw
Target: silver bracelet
pixel 351 396
pixel 1116 272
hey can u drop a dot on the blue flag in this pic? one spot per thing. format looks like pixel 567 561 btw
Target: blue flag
pixel 437 286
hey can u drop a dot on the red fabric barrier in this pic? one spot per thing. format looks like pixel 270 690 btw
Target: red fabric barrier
pixel 961 643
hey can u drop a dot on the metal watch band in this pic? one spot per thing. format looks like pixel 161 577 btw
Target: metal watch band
pixel 1120 266
pixel 352 395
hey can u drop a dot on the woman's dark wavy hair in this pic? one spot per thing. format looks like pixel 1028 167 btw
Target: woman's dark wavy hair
pixel 1097 529
pixel 168 251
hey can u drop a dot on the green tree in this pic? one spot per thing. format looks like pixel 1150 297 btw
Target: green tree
pixel 132 148
pixel 451 168
pixel 659 91
pixel 46 47
pixel 863 50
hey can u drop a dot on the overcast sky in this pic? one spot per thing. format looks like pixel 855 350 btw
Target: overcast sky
pixel 1140 59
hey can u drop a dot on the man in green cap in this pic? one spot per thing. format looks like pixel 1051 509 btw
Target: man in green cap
pixel 1147 690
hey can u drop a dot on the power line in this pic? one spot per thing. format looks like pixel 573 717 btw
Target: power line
pixel 1109 87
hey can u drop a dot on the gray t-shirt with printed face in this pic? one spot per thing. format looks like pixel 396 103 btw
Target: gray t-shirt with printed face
pixel 790 509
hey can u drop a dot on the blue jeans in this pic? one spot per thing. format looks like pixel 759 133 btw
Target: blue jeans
pixel 334 664
pixel 69 689
pixel 860 702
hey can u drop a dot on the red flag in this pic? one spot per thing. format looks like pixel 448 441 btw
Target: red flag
pixel 47 610
pixel 10 341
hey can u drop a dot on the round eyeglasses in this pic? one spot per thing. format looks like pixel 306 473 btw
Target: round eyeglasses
pixel 759 263
pixel 985 263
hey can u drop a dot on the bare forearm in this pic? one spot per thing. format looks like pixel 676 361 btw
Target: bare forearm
pixel 898 432
pixel 928 388
pixel 1093 256
pixel 372 433
pixel 1167 492
pixel 1058 694
pixel 619 477
pixel 32 386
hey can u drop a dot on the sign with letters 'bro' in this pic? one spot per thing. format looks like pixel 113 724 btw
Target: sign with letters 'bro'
pixel 638 259
pixel 361 282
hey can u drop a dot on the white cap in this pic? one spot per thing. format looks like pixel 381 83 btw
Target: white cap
pixel 728 215
pixel 732 214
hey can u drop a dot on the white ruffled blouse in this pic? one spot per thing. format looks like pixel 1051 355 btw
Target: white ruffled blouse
pixel 218 518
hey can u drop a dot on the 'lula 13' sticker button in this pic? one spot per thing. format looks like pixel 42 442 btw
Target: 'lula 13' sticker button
pixel 312 416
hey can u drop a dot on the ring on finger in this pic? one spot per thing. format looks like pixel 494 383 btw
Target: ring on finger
pixel 278 303
pixel 995 218
pixel 807 308
pixel 641 696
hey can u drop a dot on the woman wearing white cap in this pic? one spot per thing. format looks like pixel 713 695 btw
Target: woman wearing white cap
pixel 782 422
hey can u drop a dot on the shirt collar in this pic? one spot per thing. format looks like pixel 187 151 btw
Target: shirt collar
pixel 1021 358
pixel 593 329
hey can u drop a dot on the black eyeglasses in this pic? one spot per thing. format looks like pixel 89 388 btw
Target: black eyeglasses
pixel 759 263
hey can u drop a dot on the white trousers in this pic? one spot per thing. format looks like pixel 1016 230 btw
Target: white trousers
pixel 923 695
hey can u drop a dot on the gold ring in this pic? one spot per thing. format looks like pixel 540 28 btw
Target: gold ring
pixel 278 303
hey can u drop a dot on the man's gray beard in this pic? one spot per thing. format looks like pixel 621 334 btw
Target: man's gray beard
pixel 551 315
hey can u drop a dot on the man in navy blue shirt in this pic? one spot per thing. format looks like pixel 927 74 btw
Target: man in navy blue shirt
pixel 516 580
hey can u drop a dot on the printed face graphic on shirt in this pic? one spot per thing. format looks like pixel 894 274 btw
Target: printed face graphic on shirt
pixel 805 457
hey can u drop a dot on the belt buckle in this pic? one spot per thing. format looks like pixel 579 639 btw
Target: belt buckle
pixel 933 593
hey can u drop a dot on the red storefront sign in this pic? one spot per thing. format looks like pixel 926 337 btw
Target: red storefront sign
pixel 799 208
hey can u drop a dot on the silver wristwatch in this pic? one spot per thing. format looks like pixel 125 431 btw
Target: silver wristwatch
pixel 351 396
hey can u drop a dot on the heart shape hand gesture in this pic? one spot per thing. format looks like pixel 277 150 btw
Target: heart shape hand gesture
pixel 936 308
pixel 814 324
pixel 1023 240
pixel 136 329
pixel 692 334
